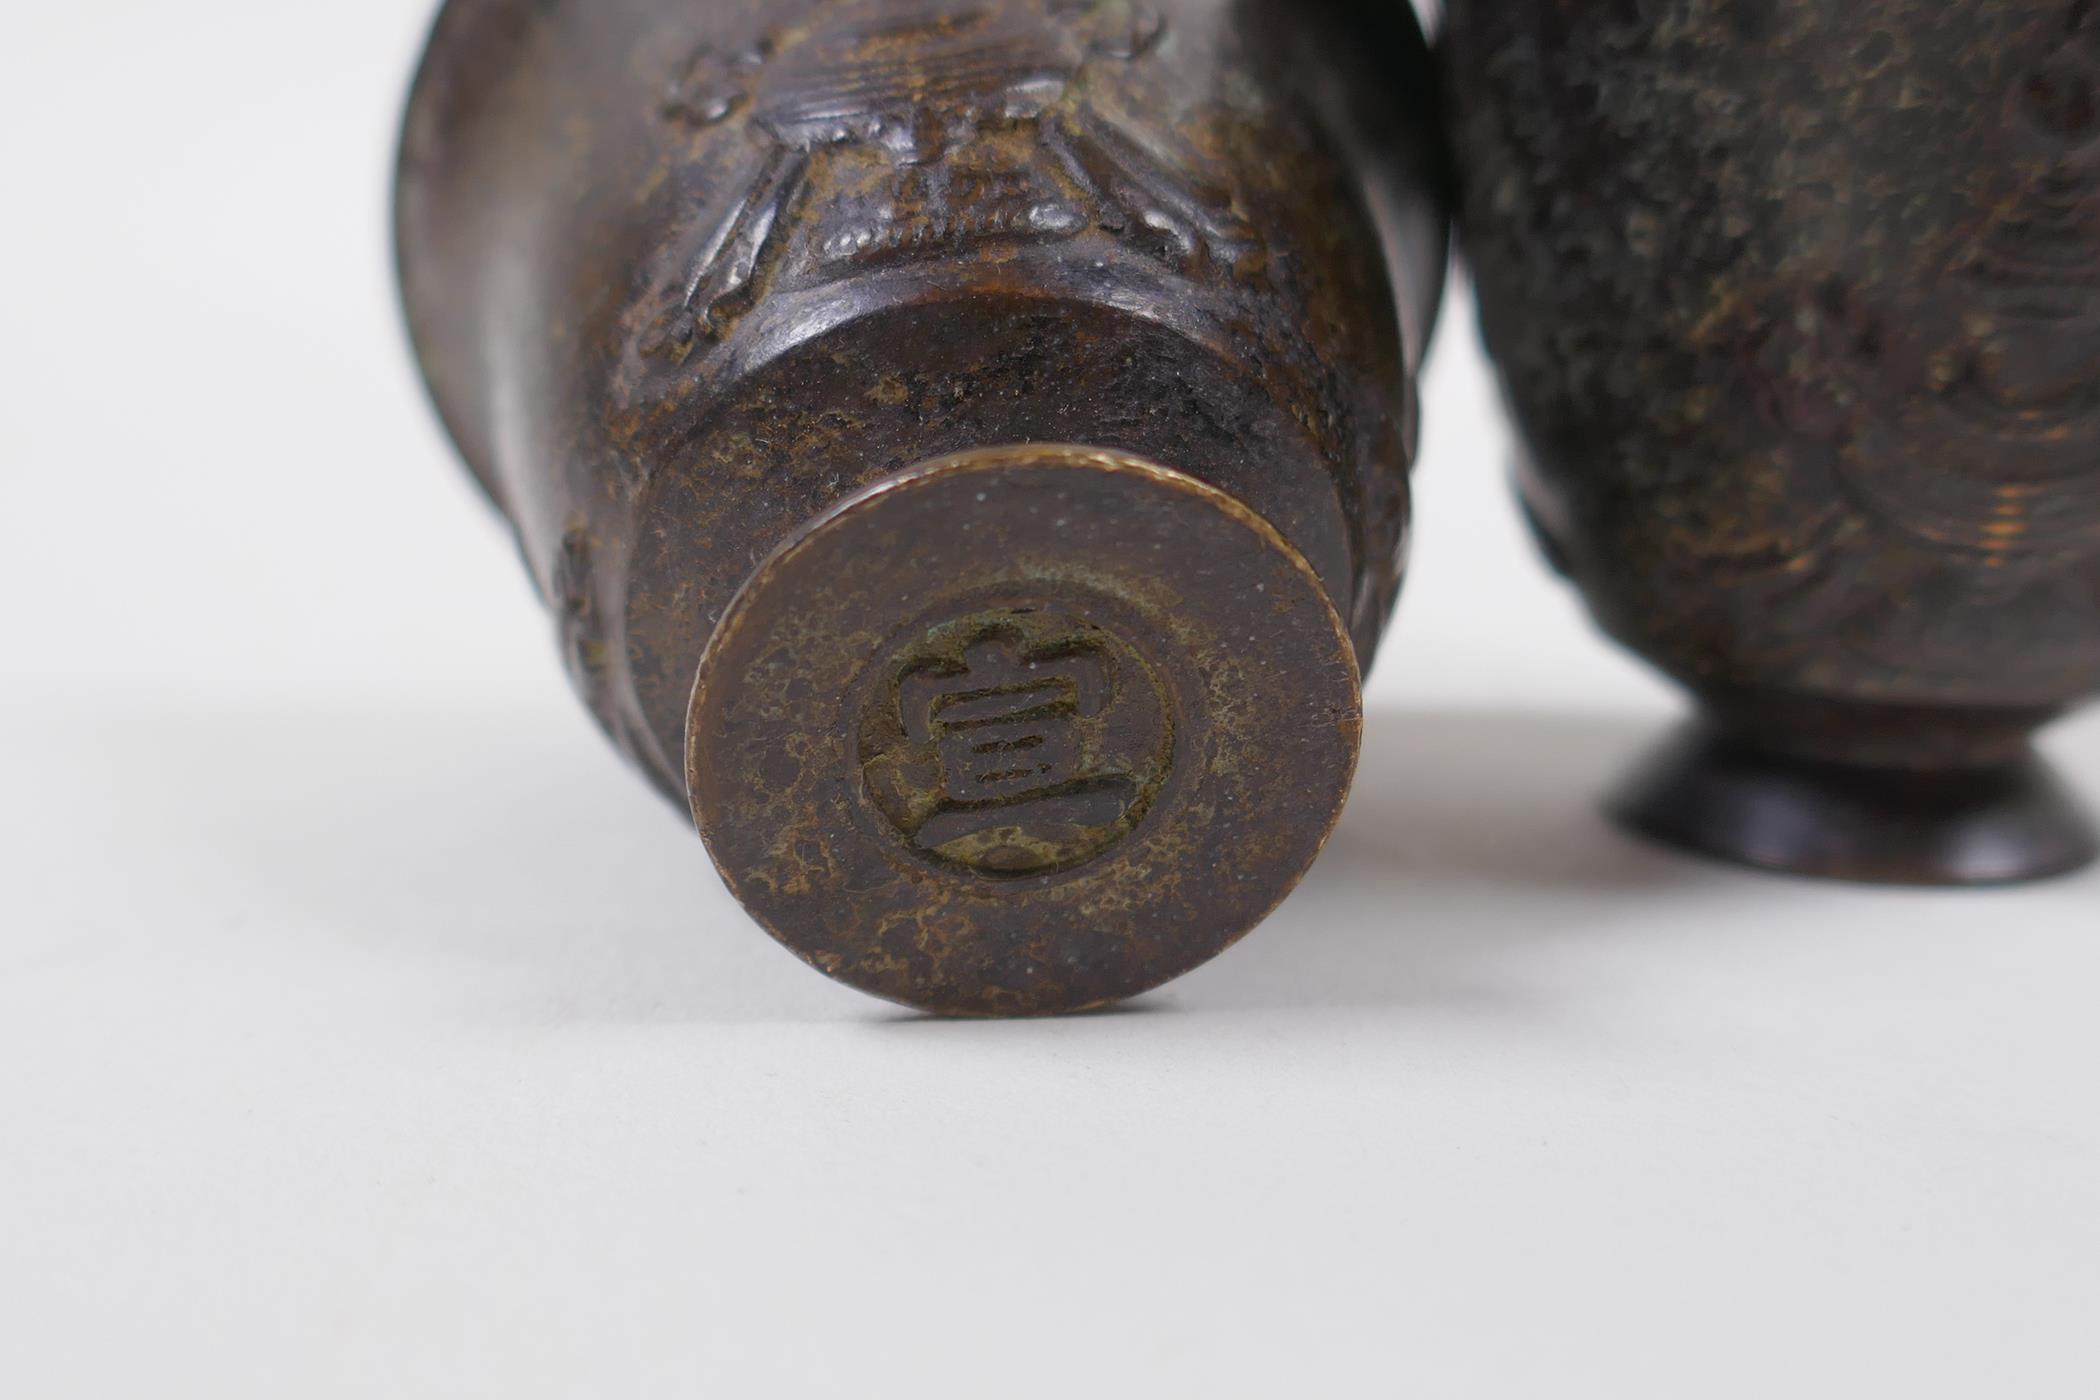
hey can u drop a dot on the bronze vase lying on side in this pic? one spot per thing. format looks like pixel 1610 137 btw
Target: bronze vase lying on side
pixel 1798 307
pixel 965 444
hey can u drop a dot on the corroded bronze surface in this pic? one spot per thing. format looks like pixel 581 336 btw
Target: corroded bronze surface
pixel 965 444
pixel 1798 305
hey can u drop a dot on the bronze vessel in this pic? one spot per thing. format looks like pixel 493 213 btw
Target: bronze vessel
pixel 1797 305
pixel 964 445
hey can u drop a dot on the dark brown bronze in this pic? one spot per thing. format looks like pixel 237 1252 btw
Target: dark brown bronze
pixel 965 444
pixel 1798 306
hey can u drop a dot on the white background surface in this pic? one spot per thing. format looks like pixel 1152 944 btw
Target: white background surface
pixel 367 1029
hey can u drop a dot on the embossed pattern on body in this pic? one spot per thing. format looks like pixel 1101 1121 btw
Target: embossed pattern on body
pixel 958 120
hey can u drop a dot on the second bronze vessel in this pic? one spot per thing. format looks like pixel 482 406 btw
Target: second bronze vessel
pixel 1798 307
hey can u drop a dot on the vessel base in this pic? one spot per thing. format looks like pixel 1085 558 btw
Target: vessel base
pixel 1025 731
pixel 1710 792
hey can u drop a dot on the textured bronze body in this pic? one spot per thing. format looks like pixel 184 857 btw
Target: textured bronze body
pixel 1798 305
pixel 965 444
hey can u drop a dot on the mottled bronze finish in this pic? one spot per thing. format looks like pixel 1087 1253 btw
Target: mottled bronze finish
pixel 965 444
pixel 1798 307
